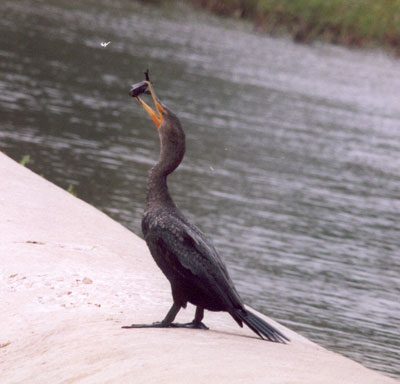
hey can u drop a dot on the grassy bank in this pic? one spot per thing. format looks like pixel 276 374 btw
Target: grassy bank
pixel 349 22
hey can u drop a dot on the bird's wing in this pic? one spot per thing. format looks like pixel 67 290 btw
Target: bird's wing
pixel 199 258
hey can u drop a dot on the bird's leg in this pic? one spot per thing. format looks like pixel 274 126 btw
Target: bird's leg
pixel 198 317
pixel 196 323
pixel 167 322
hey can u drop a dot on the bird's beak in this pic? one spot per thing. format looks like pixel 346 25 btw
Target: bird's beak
pixel 156 116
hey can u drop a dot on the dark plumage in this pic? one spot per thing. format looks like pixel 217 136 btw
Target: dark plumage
pixel 186 257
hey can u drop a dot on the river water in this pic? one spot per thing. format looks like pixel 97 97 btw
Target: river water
pixel 292 162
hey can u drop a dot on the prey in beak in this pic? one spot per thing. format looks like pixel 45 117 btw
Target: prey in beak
pixel 146 87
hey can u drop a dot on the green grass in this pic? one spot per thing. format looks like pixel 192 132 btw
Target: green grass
pixel 358 22
pixel 25 160
pixel 372 19
pixel 71 190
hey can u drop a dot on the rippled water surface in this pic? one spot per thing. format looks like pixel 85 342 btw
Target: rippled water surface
pixel 292 161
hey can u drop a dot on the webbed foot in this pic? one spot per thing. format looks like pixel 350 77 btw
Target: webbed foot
pixel 192 325
pixel 158 324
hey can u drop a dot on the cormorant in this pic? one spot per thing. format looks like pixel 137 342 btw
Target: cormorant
pixel 186 257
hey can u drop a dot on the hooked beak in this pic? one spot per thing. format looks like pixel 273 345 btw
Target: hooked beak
pixel 156 116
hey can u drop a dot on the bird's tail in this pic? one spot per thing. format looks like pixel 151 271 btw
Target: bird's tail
pixel 260 326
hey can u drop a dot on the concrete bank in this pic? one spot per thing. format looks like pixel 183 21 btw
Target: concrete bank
pixel 70 277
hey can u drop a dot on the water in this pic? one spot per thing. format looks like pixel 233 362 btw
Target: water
pixel 292 159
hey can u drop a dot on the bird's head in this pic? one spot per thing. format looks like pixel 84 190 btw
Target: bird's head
pixel 167 123
pixel 156 115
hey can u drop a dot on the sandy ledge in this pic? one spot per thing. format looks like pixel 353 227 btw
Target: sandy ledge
pixel 70 277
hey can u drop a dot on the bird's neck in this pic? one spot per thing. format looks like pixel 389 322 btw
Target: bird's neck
pixel 172 150
pixel 157 195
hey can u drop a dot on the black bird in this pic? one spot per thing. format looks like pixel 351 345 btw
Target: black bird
pixel 186 257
